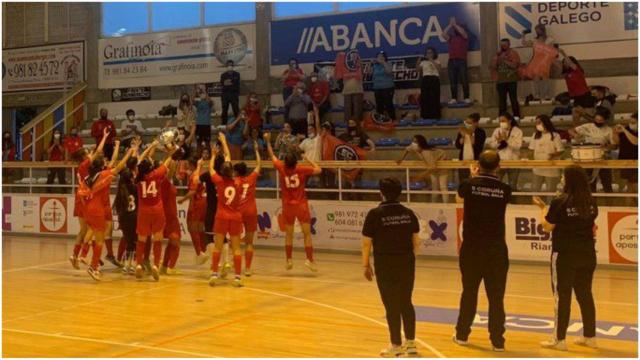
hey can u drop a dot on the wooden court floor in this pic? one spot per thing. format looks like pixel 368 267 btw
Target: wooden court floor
pixel 51 310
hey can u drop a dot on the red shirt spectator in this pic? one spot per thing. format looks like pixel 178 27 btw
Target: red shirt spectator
pixel 319 91
pixel 56 150
pixel 458 47
pixel 99 125
pixel 252 109
pixel 292 77
pixel 576 82
pixel 72 143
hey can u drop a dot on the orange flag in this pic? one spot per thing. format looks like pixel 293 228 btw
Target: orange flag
pixel 374 121
pixel 334 149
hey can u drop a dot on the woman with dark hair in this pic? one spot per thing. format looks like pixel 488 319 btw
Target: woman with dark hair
pixel 187 115
pixel 197 206
pixel 126 204
pixel 290 78
pixel 577 87
pixel 55 152
pixel 430 155
pixel 546 145
pixel 383 86
pixel 429 71
pixel 571 220
pixel 507 140
pixel 626 137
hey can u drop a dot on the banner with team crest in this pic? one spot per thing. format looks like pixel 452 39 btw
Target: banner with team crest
pixel 177 57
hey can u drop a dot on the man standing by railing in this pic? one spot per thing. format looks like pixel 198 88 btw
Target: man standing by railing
pixel 97 130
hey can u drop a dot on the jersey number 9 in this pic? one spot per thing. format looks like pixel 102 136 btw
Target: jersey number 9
pixel 229 194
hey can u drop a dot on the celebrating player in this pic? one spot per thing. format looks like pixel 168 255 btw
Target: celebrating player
pixel 171 229
pixel 293 178
pixel 197 206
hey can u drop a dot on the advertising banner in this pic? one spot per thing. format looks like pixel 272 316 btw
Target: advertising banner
pixel 131 94
pixel 50 67
pixel 177 57
pixel 398 31
pixel 570 22
pixel 338 226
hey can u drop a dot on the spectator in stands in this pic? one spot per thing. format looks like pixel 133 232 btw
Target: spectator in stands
pixel 352 87
pixel 187 112
pixel 577 87
pixel 540 85
pixel 72 143
pixel 546 145
pixel 230 81
pixel 234 132
pixel 298 105
pixel 285 142
pixel 312 145
pixel 129 129
pixel 290 79
pixel 604 100
pixel 97 129
pixel 383 86
pixel 507 140
pixel 8 154
pixel 504 67
pixel 253 110
pixel 183 141
pixel 597 133
pixel 357 137
pixel 251 135
pixel 430 155
pixel 204 106
pixel 429 72
pixel 319 93
pixel 458 40
pixel 470 140
pixel 626 137
pixel 55 152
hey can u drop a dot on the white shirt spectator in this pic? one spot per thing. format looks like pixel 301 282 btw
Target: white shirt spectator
pixel 312 148
pixel 514 143
pixel 543 148
pixel 590 133
pixel 429 68
pixel 131 129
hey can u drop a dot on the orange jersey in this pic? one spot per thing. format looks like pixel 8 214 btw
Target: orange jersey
pixel 293 182
pixel 83 168
pixel 228 198
pixel 200 197
pixel 94 204
pixel 247 187
pixel 149 190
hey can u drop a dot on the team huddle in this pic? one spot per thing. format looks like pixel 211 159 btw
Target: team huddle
pixel 222 206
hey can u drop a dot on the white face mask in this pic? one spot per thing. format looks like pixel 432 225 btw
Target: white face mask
pixel 504 125
pixel 467 125
pixel 633 126
pixel 56 136
pixel 540 127
pixel 130 117
pixel 203 96
pixel 181 137
pixel 311 136
pixel 314 79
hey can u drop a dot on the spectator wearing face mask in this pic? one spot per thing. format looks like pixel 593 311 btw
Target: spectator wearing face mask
pixel 319 93
pixel 507 140
pixel 357 137
pixel 576 86
pixel 253 111
pixel 186 112
pixel 285 142
pixel 234 133
pixel 541 84
pixel 626 137
pixel 383 86
pixel 72 143
pixel 470 140
pixel 546 145
pixel 601 100
pixel 504 67
pixel 55 152
pixel 298 105
pixel 458 40
pixel 429 73
pixel 430 155
pixel 130 128
pixel 311 146
pixel 597 133
pixel 97 130
pixel 290 79
pixel 204 106
pixel 230 81
pixel 252 135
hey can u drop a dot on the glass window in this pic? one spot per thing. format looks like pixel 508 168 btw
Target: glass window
pixel 120 18
pixel 283 9
pixel 229 12
pixel 346 6
pixel 168 15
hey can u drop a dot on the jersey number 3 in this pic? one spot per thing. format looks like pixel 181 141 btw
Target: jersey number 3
pixel 292 182
pixel 150 189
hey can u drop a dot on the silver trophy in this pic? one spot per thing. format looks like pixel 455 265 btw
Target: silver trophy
pixel 167 137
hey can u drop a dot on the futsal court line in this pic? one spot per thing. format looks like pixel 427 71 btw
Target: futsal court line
pixel 107 342
pixel 32 267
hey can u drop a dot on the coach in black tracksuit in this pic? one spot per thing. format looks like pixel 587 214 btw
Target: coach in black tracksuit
pixel 483 254
pixel 393 230
pixel 571 220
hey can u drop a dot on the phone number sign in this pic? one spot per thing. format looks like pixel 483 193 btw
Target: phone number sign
pixel 49 67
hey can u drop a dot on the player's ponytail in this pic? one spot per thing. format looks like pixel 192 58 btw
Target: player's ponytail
pixel 144 168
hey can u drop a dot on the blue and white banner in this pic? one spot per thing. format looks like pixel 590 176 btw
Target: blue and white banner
pixel 398 31
pixel 570 22
pixel 177 57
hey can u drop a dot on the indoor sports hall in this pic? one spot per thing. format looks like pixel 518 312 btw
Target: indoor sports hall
pixel 320 179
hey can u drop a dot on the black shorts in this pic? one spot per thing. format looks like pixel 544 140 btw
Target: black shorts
pixel 585 100
pixel 203 134
pixel 127 224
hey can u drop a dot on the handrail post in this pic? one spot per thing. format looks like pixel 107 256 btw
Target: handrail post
pixel 408 186
pixel 30 183
pixel 339 184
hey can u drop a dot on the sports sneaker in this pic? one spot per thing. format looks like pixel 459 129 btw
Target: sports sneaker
pixel 139 272
pixel 460 342
pixel 202 258
pixel 155 273
pixel 112 259
pixel 132 270
pixel 225 270
pixel 95 274
pixel 125 270
pixel 391 352
pixel 586 341
pixel 554 344
pixel 74 262
pixel 410 347
pixel 213 279
pixel 468 101
pixel 248 272
pixel 163 270
pixel 311 265
pixel 452 102
pixel 147 266
pixel 237 282
pixel 289 265
pixel 497 348
pixel 174 271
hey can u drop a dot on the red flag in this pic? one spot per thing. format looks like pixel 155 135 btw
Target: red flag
pixel 540 65
pixel 375 121
pixel 334 149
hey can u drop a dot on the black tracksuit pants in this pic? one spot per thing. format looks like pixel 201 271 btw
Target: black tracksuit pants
pixel 208 225
pixel 395 275
pixel 491 265
pixel 573 272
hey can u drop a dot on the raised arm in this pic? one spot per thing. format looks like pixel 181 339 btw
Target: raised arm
pixel 214 154
pixel 258 158
pixel 105 134
pixel 116 152
pixel 404 156
pixel 460 30
pixel 122 163
pixel 267 140
pixel 225 146
pixel 147 151
pixel 316 168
